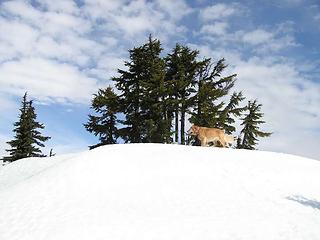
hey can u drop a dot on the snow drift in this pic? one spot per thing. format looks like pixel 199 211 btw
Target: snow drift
pixel 153 191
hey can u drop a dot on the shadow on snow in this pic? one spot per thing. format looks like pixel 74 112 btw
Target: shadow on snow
pixel 304 201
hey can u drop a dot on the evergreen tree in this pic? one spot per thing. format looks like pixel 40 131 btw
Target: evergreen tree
pixel 211 87
pixel 250 131
pixel 154 105
pixel 105 103
pixel 27 137
pixel 129 83
pixel 231 111
pixel 143 95
pixel 182 68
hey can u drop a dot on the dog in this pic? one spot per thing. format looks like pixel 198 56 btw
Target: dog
pixel 207 135
pixel 229 139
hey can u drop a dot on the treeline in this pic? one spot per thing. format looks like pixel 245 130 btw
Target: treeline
pixel 153 98
pixel 151 101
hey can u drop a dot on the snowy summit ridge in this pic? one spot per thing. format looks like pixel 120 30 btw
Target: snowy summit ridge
pixel 154 191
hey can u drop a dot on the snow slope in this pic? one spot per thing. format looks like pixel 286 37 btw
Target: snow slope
pixel 153 191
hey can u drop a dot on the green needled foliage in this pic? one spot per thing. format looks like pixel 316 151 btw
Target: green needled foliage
pixel 211 88
pixel 143 95
pixel 106 104
pixel 27 138
pixel 182 68
pixel 230 112
pixel 250 132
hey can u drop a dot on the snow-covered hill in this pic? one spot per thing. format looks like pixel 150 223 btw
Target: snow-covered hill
pixel 153 191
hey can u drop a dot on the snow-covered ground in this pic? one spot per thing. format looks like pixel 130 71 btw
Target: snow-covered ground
pixel 153 191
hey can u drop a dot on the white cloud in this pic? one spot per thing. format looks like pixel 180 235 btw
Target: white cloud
pixel 282 37
pixel 46 80
pixel 86 36
pixel 259 40
pixel 33 33
pixel 136 19
pixel 258 36
pixel 217 28
pixel 175 9
pixel 19 39
pixel 66 6
pixel 43 44
pixel 217 12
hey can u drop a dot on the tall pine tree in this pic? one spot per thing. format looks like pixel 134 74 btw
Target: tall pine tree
pixel 182 67
pixel 251 130
pixel 28 139
pixel 129 84
pixel 143 98
pixel 154 106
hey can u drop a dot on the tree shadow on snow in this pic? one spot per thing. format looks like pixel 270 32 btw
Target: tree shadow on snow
pixel 304 201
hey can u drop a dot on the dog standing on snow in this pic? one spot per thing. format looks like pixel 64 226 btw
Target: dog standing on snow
pixel 207 135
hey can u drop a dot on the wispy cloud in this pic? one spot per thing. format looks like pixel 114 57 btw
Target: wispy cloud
pixel 217 28
pixel 217 12
pixel 49 43
pixel 46 80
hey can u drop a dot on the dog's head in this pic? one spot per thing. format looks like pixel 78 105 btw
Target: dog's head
pixel 194 130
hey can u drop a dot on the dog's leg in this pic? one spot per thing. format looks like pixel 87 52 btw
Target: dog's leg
pixel 203 142
pixel 223 143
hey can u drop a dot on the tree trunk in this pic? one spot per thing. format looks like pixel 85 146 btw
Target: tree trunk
pixel 176 118
pixel 182 135
pixel 176 133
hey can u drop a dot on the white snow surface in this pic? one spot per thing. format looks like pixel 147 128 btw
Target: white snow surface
pixel 155 191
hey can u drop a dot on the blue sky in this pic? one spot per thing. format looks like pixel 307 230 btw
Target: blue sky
pixel 61 52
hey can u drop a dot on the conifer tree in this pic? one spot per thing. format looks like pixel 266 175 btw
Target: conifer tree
pixel 28 139
pixel 250 132
pixel 231 111
pixel 211 87
pixel 182 68
pixel 143 95
pixel 105 103
pixel 129 84
pixel 154 104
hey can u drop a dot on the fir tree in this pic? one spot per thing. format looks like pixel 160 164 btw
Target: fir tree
pixel 154 105
pixel 211 87
pixel 231 111
pixel 250 132
pixel 27 137
pixel 182 68
pixel 143 95
pixel 129 84
pixel 105 103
